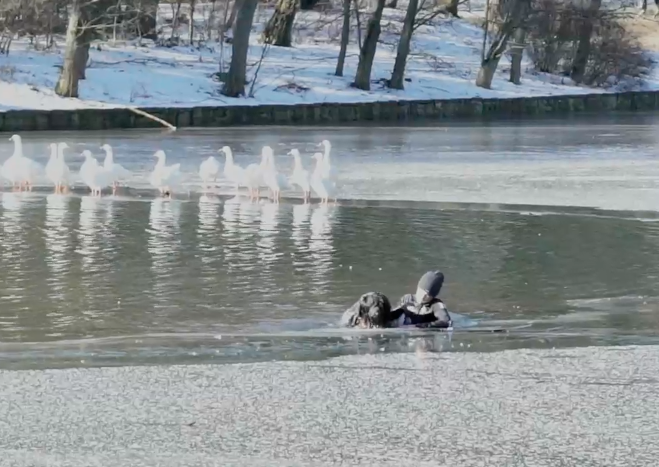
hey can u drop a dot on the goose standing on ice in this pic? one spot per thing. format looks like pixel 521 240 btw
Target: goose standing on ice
pixel 327 171
pixel 95 176
pixel 232 172
pixel 10 169
pixel 300 176
pixel 52 162
pixel 317 182
pixel 164 177
pixel 117 171
pixel 18 169
pixel 208 172
pixel 65 172
pixel 254 176
pixel 57 170
pixel 273 179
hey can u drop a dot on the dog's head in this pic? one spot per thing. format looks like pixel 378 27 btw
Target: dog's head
pixel 370 311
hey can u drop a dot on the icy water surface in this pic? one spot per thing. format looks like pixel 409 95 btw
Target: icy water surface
pixel 545 230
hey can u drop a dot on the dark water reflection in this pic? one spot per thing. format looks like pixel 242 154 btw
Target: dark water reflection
pixel 121 280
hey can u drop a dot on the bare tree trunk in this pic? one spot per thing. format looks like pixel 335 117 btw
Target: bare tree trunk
pixel 235 83
pixel 486 72
pixel 176 12
pixel 306 5
pixel 396 81
pixel 232 17
pixel 452 8
pixel 358 19
pixel 516 52
pixel 514 12
pixel 81 55
pixel 279 29
pixel 345 38
pixel 191 22
pixel 367 52
pixel 583 49
pixel 486 28
pixel 67 85
pixel 211 20
pixel 146 22
pixel 114 29
pixel 222 33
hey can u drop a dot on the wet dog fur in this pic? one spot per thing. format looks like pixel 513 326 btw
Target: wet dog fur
pixel 372 310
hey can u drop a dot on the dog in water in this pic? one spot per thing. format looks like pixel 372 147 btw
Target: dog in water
pixel 372 310
pixel 422 309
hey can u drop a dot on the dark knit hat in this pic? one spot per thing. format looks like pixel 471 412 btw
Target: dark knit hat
pixel 431 282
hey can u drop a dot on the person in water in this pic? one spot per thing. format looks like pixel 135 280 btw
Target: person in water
pixel 422 309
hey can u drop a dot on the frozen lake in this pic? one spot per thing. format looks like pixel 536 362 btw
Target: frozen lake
pixel 544 228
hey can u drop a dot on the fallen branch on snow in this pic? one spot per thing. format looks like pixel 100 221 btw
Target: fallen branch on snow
pixel 152 117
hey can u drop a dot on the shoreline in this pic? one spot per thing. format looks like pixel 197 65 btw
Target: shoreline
pixel 116 118
pixel 310 413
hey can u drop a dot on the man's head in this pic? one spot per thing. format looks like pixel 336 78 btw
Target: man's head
pixel 429 286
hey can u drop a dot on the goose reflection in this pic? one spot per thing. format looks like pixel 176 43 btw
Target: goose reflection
pixel 301 213
pixel 163 242
pixel 209 207
pixel 249 215
pixel 109 204
pixel 321 247
pixel 248 228
pixel 88 233
pixel 230 221
pixel 267 232
pixel 12 222
pixel 13 246
pixel 90 246
pixel 239 223
pixel 57 241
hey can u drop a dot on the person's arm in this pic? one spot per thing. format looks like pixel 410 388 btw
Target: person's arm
pixel 439 317
pixel 412 317
pixel 443 316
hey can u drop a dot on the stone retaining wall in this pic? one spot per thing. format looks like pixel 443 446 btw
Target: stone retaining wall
pixel 304 114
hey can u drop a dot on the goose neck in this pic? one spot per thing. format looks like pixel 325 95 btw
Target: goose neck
pixel 18 147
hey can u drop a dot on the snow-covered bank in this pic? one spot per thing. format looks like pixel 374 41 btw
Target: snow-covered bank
pixel 443 65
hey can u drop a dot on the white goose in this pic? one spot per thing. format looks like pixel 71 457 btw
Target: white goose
pixel 52 161
pixel 208 172
pixel 317 182
pixel 327 171
pixel 254 179
pixel 57 170
pixel 117 171
pixel 18 169
pixel 95 176
pixel 65 173
pixel 164 177
pixel 300 176
pixel 232 172
pixel 273 179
